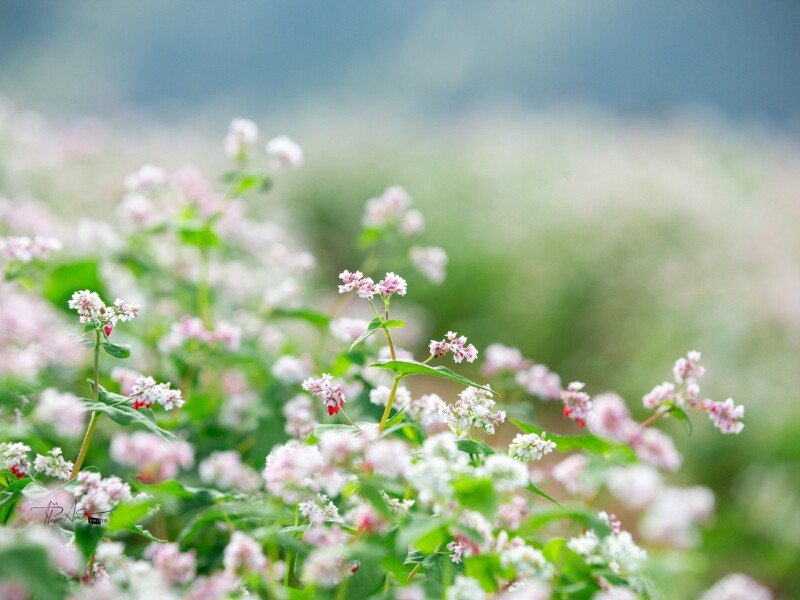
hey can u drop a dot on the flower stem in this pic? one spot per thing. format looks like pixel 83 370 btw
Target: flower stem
pixel 202 289
pixel 647 422
pixel 93 421
pixel 389 403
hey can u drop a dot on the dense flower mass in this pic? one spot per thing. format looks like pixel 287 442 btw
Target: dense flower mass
pixel 262 485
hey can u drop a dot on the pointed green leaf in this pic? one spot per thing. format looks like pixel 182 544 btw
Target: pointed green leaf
pixel 477 494
pixel 412 367
pixel 374 325
pixel 117 350
pixel 615 452
pixel 682 417
pixel 474 447
pixel 310 316
pixel 538 491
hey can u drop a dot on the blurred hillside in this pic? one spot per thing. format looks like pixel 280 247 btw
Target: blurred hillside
pixel 81 57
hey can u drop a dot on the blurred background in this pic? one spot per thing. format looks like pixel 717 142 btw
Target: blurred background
pixel 615 182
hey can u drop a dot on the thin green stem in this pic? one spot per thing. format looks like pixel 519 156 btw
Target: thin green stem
pixel 87 439
pixel 203 305
pixel 289 555
pixel 389 403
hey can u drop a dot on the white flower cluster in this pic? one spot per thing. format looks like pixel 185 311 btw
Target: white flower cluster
pixel 53 464
pixel 91 309
pixel 226 470
pixel 145 392
pixel 24 249
pixel 154 458
pixel 528 447
pixel 14 457
pixel 473 409
pixel 617 550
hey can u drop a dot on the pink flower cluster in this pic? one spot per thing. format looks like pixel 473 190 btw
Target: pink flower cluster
pixel 726 416
pixel 53 465
pixel 145 392
pixel 24 249
pixel 192 328
pixel 393 209
pixel 91 309
pixel 226 470
pixel 325 389
pixel 472 409
pixel 155 459
pixel 576 403
pixel 456 344
pixel 173 565
pixel 366 287
pixel 97 495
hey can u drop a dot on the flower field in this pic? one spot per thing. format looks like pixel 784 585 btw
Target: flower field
pixel 282 374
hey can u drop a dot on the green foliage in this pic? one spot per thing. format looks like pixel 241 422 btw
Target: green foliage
pixel 404 368
pixel 611 451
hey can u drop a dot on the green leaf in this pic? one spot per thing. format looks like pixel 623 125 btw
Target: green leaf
pixel 324 428
pixel 127 416
pixel 412 367
pixel 117 350
pixel 249 182
pixel 129 514
pixel 144 533
pixel 68 278
pixel 424 533
pixel 477 494
pixel 31 564
pixel 612 451
pixel 175 489
pixel 10 496
pixel 485 568
pixel 87 537
pixel 682 417
pixel 475 447
pixel 536 490
pixel 373 494
pixel 368 237
pixel 199 234
pixel 374 325
pixel 589 519
pixel 315 318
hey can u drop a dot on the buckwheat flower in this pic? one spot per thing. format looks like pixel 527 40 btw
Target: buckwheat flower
pixel 363 286
pixel 366 519
pixel 473 409
pixel 569 473
pixel 242 136
pixel 284 152
pixel 14 457
pixel 243 555
pixel 511 514
pixel 737 587
pixel 525 560
pixel 636 487
pixel 430 261
pixel 64 412
pixel 539 381
pixel 502 359
pixel 299 415
pixel 671 520
pixel 88 304
pixel 389 209
pixel 173 565
pixel 380 396
pixel 228 335
pixel 657 449
pixel 53 465
pixel 226 470
pixel 348 330
pixel 62 554
pixel 145 179
pixel 137 211
pixel 145 392
pixel 391 284
pixel 456 344
pixel 24 249
pixel 528 447
pixel 155 459
pixel 126 312
pixel 472 535
pixel 438 464
pixel 326 390
pixel 425 410
pixel 507 474
pixel 386 458
pixel 326 567
pixel 126 378
pixel 290 369
pixel 688 369
pixel 218 586
pixel 413 223
pixel 725 415
pixel 319 509
pixel 292 471
pixel 576 403
pixel 465 588
pixel 96 495
pixel 659 394
pixel 610 418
